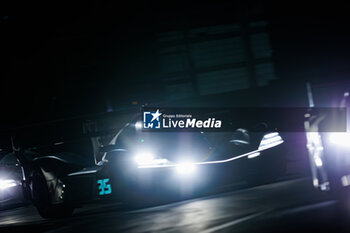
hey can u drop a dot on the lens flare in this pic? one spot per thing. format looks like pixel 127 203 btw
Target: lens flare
pixel 340 139
pixel 5 184
pixel 185 168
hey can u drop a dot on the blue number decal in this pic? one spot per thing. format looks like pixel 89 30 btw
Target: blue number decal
pixel 108 187
pixel 101 187
pixel 104 187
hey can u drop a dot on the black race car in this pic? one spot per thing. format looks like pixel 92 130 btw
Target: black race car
pixel 139 167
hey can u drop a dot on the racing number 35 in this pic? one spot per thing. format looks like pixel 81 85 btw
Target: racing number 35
pixel 104 187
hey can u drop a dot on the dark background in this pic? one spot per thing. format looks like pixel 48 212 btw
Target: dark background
pixel 69 59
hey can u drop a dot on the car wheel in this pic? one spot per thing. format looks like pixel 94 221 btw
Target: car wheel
pixel 41 199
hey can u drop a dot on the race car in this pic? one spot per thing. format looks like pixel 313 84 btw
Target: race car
pixel 140 167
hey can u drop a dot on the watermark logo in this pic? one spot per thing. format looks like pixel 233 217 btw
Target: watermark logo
pixel 229 119
pixel 152 120
pixel 177 119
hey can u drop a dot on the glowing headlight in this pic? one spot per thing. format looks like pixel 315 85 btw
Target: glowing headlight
pixel 5 184
pixel 145 158
pixel 254 155
pixel 340 139
pixel 185 168
pixel 138 125
pixel 270 140
pixel 149 159
pixel 315 147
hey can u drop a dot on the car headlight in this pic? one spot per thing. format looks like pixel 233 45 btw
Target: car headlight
pixel 270 140
pixel 148 159
pixel 315 147
pixel 8 183
pixel 185 168
pixel 340 139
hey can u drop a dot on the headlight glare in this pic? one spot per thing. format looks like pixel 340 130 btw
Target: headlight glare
pixel 340 139
pixel 185 168
pixel 8 183
pixel 144 158
pixel 148 159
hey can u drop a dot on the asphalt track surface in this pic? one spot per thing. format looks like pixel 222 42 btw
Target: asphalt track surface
pixel 288 206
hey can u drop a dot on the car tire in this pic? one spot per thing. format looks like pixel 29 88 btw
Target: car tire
pixel 41 199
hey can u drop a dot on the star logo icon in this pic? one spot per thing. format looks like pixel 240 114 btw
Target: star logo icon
pixel 151 119
pixel 156 115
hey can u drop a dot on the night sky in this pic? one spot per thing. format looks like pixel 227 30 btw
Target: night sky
pixel 68 60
